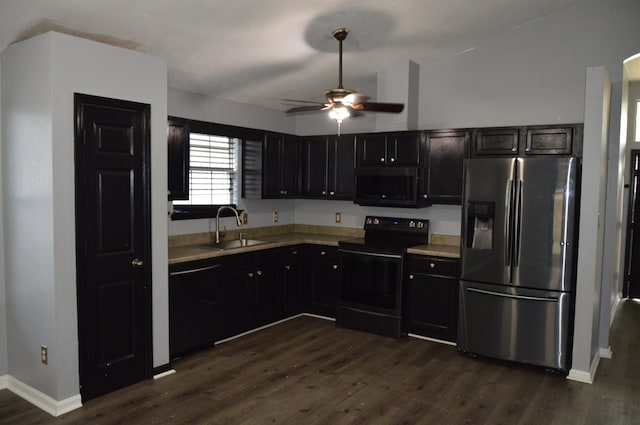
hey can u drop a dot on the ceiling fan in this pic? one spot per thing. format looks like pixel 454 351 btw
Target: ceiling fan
pixel 343 103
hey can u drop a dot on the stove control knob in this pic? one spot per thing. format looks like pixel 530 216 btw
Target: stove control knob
pixel 412 224
pixel 420 225
pixel 376 221
pixel 368 221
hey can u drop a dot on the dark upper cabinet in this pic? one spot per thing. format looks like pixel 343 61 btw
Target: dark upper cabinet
pixel 496 141
pixel 549 140
pixel 178 158
pixel 280 166
pixel 446 151
pixel 328 167
pixel 531 140
pixel 270 167
pixel 391 149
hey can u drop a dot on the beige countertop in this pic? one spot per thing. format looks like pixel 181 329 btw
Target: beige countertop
pixel 191 249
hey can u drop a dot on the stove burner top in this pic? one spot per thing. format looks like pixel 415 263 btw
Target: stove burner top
pixel 391 234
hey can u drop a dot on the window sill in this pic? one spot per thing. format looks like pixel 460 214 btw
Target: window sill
pixel 192 212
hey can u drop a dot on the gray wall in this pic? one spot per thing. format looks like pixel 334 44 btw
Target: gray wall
pixel 39 78
pixel 3 304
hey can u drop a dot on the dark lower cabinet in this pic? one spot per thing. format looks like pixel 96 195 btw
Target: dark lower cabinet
pixel 238 294
pixel 269 286
pixel 321 293
pixel 431 297
pixel 293 278
pixel 195 307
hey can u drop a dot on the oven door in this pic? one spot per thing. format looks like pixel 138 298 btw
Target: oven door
pixel 371 280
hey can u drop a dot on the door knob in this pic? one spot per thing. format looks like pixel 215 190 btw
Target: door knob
pixel 137 263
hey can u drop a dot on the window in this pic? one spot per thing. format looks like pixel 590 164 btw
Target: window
pixel 212 176
pixel 212 170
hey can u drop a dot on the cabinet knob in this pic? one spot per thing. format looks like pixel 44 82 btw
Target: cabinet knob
pixel 411 277
pixel 137 263
pixel 259 272
pixel 334 267
pixel 392 159
pixel 324 192
pixel 284 192
pixel 382 159
pixel 250 274
pixel 323 253
pixel 294 252
pixel 432 265
pixel 332 193
pixel 287 267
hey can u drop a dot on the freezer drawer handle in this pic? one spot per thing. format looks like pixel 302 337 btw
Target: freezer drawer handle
pixel 517 297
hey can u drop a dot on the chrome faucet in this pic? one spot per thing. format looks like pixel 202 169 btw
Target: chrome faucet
pixel 225 207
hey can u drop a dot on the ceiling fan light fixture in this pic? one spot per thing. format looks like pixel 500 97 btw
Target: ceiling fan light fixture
pixel 339 113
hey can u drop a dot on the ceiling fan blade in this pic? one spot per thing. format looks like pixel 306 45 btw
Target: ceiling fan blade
pixel 310 108
pixel 379 107
pixel 354 98
pixel 313 102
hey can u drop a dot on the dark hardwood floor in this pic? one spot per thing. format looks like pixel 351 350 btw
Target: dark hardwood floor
pixel 307 371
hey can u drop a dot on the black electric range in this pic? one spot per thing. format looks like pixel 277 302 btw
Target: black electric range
pixel 372 271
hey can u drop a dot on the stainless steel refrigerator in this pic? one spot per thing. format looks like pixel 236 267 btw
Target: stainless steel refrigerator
pixel 518 259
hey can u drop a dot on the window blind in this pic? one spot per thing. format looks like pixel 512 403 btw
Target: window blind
pixel 212 170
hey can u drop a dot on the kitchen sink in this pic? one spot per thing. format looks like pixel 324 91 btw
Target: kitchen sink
pixel 235 243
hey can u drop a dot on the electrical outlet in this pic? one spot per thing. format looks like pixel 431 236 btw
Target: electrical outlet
pixel 275 216
pixel 338 217
pixel 245 217
pixel 44 355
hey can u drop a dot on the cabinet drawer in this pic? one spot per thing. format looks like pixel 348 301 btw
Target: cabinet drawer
pixel 433 265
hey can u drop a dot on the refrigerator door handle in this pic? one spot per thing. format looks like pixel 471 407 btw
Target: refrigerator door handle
pixel 518 222
pixel 507 224
pixel 517 297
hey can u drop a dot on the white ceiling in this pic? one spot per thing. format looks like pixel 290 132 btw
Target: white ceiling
pixel 259 52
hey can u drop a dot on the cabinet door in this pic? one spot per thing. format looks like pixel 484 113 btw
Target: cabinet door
pixel 289 180
pixel 269 293
pixel 549 141
pixel 314 167
pixel 194 306
pixel 432 297
pixel 371 149
pixel 341 165
pixel 271 160
pixel 293 279
pixel 238 294
pixel 445 161
pixel 496 141
pixel 323 280
pixel 178 158
pixel 403 149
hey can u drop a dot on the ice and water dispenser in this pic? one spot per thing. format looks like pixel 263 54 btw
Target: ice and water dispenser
pixel 480 220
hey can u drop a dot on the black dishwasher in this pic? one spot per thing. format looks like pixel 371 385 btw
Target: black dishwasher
pixel 195 294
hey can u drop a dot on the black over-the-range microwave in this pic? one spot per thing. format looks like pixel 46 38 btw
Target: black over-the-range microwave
pixel 390 186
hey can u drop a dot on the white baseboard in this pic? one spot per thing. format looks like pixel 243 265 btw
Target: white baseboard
pixel 3 382
pixel 41 400
pixel 163 374
pixel 426 338
pixel 317 316
pixel 586 377
pixel 605 353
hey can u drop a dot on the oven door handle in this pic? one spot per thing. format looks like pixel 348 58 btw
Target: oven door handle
pixel 374 254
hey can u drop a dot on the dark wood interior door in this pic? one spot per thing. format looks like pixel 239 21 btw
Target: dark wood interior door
pixel 112 243
pixel 632 258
